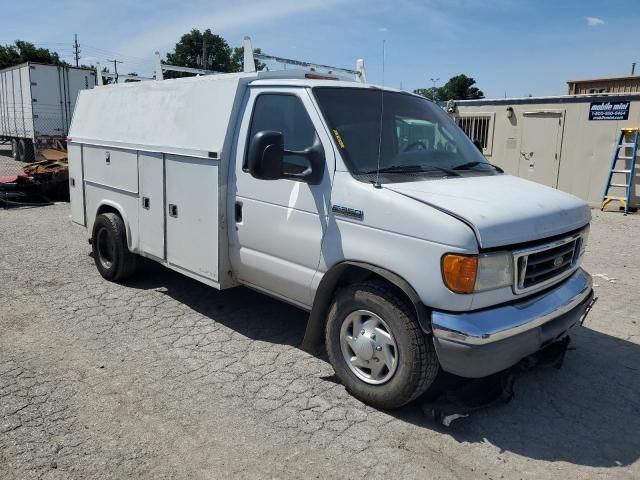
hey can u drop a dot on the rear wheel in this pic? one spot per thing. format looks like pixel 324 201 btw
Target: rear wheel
pixel 376 346
pixel 25 146
pixel 15 153
pixel 110 251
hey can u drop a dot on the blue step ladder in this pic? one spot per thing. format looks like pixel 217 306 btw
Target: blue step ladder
pixel 626 150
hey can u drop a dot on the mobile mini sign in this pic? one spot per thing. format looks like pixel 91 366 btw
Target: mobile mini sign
pixel 609 110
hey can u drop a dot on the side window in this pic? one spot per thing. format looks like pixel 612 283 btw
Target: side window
pixel 284 113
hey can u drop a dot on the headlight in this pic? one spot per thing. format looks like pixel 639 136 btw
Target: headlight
pixel 495 270
pixel 476 273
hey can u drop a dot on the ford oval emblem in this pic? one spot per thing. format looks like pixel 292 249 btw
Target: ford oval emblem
pixel 557 261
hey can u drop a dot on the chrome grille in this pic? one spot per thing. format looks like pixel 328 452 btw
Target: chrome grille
pixel 545 264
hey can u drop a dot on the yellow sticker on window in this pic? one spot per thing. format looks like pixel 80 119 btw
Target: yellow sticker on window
pixel 338 138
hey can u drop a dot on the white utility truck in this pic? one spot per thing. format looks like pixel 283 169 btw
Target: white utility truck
pixel 36 104
pixel 364 205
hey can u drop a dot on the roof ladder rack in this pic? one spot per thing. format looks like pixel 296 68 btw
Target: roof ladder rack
pixel 627 139
pixel 163 67
pixel 100 74
pixel 249 63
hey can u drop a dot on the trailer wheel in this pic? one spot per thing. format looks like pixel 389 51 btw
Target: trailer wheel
pixel 15 153
pixel 110 251
pixel 376 346
pixel 25 147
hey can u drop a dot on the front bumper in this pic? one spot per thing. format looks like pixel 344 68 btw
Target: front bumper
pixel 476 344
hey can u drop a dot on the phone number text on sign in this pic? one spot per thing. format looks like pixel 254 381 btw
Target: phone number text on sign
pixel 609 110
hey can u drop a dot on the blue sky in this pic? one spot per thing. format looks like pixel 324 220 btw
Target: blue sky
pixel 510 47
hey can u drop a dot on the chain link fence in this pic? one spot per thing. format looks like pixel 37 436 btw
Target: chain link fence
pixel 23 181
pixel 8 166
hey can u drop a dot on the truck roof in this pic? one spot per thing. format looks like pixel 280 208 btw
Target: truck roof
pixel 26 64
pixel 188 116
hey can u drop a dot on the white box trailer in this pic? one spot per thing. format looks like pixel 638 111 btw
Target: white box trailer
pixel 36 105
pixel 410 251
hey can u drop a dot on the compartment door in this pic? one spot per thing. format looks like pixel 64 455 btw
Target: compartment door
pixel 151 204
pixel 192 214
pixel 76 183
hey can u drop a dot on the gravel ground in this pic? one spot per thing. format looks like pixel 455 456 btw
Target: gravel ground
pixel 167 378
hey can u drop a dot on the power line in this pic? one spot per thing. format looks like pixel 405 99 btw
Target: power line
pixel 118 54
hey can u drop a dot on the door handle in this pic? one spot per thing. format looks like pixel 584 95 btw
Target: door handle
pixel 173 210
pixel 146 203
pixel 238 212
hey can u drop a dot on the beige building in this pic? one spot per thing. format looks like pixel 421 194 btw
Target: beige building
pixel 564 142
pixel 629 84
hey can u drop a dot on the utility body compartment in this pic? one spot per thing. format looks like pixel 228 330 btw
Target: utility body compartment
pixel 151 152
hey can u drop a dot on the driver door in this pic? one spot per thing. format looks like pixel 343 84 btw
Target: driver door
pixel 279 224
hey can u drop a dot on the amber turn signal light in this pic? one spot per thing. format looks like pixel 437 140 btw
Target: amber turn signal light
pixel 459 272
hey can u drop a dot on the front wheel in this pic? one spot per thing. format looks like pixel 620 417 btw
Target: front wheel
pixel 376 346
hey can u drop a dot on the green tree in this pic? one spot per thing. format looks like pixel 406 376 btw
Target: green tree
pixel 459 87
pixel 188 53
pixel 21 52
pixel 219 56
pixel 430 93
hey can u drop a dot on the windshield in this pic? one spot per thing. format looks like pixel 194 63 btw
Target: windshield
pixel 414 137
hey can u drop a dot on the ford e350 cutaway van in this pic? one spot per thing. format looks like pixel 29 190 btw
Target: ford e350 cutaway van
pixel 364 205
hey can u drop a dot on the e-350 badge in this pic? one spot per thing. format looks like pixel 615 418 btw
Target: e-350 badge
pixel 347 212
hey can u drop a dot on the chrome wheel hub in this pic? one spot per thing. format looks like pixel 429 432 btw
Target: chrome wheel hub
pixel 368 347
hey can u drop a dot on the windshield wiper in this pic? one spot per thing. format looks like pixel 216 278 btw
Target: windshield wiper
pixel 414 169
pixel 470 165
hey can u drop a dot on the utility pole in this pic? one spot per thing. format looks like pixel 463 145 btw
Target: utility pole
pixel 115 67
pixel 633 68
pixel 204 52
pixel 76 49
pixel 433 92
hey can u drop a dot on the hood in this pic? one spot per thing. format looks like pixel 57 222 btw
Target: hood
pixel 501 209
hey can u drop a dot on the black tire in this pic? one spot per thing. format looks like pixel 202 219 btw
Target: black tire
pixel 25 146
pixel 110 251
pixel 15 150
pixel 417 364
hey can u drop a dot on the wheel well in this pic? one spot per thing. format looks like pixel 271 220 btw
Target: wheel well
pixel 347 273
pixel 108 209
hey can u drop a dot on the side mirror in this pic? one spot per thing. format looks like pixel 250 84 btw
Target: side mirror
pixel 265 159
pixel 266 152
pixel 315 156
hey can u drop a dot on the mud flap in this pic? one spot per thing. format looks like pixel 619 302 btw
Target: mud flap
pixel 458 397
